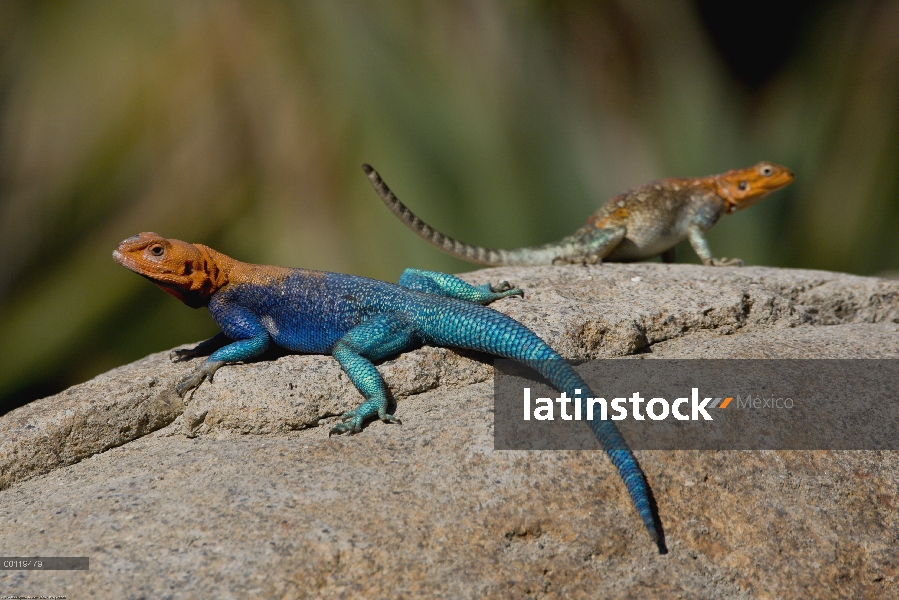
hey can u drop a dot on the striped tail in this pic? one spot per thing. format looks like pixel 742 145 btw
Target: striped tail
pixel 568 249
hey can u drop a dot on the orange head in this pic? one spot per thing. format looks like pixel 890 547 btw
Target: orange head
pixel 744 187
pixel 186 271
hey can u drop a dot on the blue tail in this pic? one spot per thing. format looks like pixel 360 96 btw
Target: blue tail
pixel 563 377
pixel 476 327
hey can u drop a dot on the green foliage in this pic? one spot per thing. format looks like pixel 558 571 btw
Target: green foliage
pixel 243 125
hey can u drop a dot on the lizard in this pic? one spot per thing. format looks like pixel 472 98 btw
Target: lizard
pixel 358 321
pixel 646 221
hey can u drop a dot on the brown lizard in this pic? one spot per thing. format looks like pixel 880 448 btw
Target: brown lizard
pixel 643 222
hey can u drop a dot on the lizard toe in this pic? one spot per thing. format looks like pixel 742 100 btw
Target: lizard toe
pixel 349 427
pixel 181 355
pixel 511 292
pixel 503 289
pixel 189 382
pixel 727 262
pixel 388 418
pixel 348 415
pixel 193 379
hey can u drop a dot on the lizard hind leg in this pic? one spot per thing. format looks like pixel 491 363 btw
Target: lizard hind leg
pixel 375 339
pixel 442 284
pixel 599 243
pixel 589 245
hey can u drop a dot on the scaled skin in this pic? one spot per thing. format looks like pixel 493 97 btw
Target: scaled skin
pixel 641 223
pixel 358 321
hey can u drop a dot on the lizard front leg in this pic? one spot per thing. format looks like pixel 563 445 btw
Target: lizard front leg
pixel 377 338
pixel 701 246
pixel 237 351
pixel 204 348
pixel 442 284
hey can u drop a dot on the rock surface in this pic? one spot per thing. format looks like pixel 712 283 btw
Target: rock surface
pixel 240 493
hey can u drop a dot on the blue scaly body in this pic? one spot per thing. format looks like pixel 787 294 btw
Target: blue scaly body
pixel 358 321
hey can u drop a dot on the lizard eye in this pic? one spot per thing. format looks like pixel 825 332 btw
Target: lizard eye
pixel 157 250
pixel 767 171
pixel 743 186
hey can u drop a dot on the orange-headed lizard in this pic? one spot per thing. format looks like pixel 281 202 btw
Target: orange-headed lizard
pixel 358 321
pixel 646 221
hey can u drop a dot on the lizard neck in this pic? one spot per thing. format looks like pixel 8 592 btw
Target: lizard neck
pixel 223 271
pixel 217 268
pixel 693 190
pixel 714 188
pixel 205 272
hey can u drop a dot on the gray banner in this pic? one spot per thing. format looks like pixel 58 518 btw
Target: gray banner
pixel 44 563
pixel 661 404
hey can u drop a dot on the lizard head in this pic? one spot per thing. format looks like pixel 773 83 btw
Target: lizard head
pixel 744 187
pixel 186 271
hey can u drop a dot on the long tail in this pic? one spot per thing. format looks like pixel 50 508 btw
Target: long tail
pixel 468 325
pixel 562 376
pixel 568 249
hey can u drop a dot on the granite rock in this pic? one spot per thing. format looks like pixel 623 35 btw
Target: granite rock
pixel 238 492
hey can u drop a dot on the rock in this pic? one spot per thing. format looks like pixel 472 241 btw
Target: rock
pixel 259 502
pixel 107 411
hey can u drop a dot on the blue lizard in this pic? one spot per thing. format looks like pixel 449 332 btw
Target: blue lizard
pixel 358 321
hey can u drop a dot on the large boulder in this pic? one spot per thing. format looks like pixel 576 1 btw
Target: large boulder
pixel 237 491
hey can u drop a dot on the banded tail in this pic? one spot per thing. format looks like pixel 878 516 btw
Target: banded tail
pixel 568 249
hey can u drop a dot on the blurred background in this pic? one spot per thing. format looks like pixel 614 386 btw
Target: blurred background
pixel 243 125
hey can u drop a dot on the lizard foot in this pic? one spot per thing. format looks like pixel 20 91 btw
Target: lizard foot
pixel 726 262
pixel 196 377
pixel 504 289
pixel 184 354
pixel 353 422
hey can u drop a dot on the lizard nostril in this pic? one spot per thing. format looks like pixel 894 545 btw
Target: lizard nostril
pixel 743 185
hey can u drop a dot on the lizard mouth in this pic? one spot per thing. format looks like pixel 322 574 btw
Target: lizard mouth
pixel 123 260
pixel 733 207
pixel 133 264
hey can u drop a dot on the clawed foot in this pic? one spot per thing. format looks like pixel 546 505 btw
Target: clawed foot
pixel 726 262
pixel 504 289
pixel 353 422
pixel 193 379
pixel 183 354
